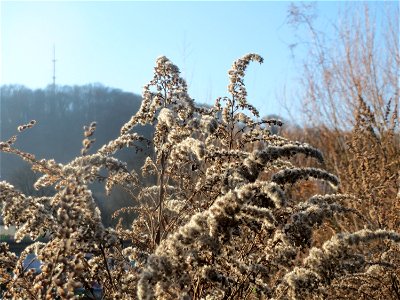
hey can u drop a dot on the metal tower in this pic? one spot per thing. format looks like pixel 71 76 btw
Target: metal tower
pixel 54 69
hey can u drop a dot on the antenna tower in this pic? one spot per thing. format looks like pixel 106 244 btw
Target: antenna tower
pixel 54 68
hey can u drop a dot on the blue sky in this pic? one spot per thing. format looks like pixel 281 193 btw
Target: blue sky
pixel 117 43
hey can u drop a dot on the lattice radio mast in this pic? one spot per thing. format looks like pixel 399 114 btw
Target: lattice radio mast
pixel 54 69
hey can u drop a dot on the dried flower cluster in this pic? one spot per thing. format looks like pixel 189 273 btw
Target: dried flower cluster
pixel 218 223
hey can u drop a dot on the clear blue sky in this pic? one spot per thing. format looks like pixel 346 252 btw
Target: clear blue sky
pixel 116 44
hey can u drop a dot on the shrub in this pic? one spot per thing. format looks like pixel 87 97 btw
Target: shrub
pixel 218 224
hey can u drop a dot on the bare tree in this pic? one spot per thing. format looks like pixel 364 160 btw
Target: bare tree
pixel 356 57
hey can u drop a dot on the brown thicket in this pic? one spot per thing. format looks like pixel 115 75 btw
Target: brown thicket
pixel 351 99
pixel 351 95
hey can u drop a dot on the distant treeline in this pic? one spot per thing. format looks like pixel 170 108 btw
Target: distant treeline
pixel 61 114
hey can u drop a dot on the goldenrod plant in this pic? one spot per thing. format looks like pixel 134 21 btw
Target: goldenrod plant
pixel 218 222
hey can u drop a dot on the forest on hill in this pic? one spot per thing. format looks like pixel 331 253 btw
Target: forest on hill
pixel 61 113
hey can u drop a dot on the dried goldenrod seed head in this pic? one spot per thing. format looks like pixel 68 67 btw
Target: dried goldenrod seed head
pixel 217 210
